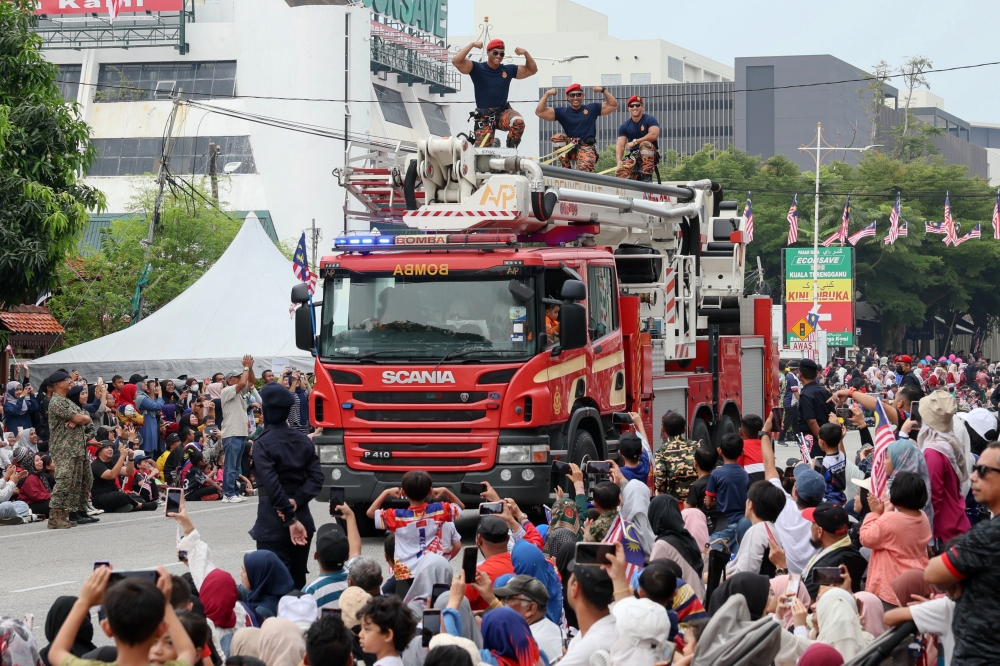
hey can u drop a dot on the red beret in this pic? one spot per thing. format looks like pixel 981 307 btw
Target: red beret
pixel 633 98
pixel 573 87
pixel 905 359
pixel 495 44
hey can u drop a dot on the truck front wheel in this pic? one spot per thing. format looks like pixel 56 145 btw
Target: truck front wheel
pixel 584 450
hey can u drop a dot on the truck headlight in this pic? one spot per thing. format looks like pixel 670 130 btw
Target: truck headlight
pixel 523 454
pixel 330 454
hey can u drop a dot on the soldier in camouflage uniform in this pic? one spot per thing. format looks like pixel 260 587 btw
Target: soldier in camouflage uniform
pixel 68 448
pixel 673 463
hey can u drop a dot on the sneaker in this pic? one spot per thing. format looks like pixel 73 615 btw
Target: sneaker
pixel 16 520
pixel 34 518
pixel 91 511
pixel 235 499
pixel 224 500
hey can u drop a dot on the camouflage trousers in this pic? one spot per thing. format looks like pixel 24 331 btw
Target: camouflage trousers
pixel 73 482
pixel 642 169
pixel 508 120
pixel 583 155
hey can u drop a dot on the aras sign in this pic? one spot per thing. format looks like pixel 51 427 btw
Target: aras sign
pixel 101 6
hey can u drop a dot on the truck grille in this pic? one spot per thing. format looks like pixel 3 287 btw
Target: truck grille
pixel 418 448
pixel 420 463
pixel 419 398
pixel 420 416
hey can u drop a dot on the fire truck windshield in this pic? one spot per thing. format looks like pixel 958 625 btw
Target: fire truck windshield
pixel 427 318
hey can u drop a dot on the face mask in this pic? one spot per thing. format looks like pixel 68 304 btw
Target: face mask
pixel 899 369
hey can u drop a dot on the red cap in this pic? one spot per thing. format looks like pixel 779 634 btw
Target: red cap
pixel 633 98
pixel 830 516
pixel 573 87
pixel 494 44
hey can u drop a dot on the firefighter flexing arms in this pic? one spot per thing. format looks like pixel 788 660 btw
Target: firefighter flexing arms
pixel 492 79
pixel 637 149
pixel 579 123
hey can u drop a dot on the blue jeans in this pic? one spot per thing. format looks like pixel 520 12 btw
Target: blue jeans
pixel 15 509
pixel 733 535
pixel 233 447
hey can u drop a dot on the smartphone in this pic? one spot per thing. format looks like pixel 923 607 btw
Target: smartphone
pixel 431 626
pixel 146 574
pixel 777 416
pixel 560 467
pixel 173 504
pixel 844 412
pixel 182 556
pixel 792 588
pixel 491 508
pixel 622 418
pixel 437 590
pixel 335 612
pixel 828 576
pixel 475 489
pixel 598 467
pixel 470 557
pixel 593 554
pixel 101 563
pixel 336 499
pixel 915 411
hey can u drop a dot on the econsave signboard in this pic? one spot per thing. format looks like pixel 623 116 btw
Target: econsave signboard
pixel 101 6
pixel 836 294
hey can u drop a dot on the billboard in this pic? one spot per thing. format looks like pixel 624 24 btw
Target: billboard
pixel 101 6
pixel 836 295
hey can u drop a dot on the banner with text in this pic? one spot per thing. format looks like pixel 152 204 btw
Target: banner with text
pixel 835 296
pixel 101 6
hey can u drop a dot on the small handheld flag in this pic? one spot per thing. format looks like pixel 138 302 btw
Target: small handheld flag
pixel 883 438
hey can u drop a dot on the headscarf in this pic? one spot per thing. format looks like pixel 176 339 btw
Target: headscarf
pixel 214 390
pixel 557 537
pixel 24 439
pixel 58 612
pixel 820 654
pixel 17 644
pixel 169 412
pixel 24 457
pixel 352 600
pixel 839 624
pixel 219 597
pixel 565 514
pixel 778 586
pixel 507 636
pixel 281 642
pixel 564 558
pixel 269 579
pixel 431 570
pixel 662 550
pixel 668 525
pixel 696 524
pixel 635 509
pixel 12 389
pixel 470 628
pixel 909 583
pixel 528 560
pixel 955 446
pixel 872 613
pixel 127 396
pixel 906 457
pixel 246 643
pixel 74 395
pixel 755 588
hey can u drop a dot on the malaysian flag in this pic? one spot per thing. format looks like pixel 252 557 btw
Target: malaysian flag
pixel 902 229
pixel 893 223
pixel 845 221
pixel 624 532
pixel 975 233
pixel 793 220
pixel 832 239
pixel 996 217
pixel 935 228
pixel 748 217
pixel 805 447
pixel 883 438
pixel 300 265
pixel 863 233
pixel 950 233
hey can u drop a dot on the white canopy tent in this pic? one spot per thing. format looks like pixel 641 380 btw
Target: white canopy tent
pixel 239 306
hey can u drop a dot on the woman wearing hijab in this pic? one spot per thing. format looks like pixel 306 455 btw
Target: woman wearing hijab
pixel 28 439
pixel 169 412
pixel 635 509
pixel 507 640
pixel 872 613
pixel 281 642
pixel 18 405
pixel 265 581
pixel 84 641
pixel 755 588
pixel 32 489
pixel 783 612
pixel 820 654
pixel 904 456
pixel 431 569
pixel 246 643
pixel 949 457
pixel 564 559
pixel 17 644
pixel 565 515
pixel 910 585
pixel 838 622
pixel 668 525
pixel 528 560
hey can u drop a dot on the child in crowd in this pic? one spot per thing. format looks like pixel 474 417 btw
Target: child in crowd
pixel 726 490
pixel 243 485
pixel 164 651
pixel 751 460
pixel 834 462
pixel 705 460
pixel 137 614
pixel 387 627
pixel 691 636
pixel 422 527
pixel 335 551
pixel 635 459
pixel 764 504
pixel 197 486
pixel 607 499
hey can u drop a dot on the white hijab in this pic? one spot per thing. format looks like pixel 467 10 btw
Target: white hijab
pixel 839 623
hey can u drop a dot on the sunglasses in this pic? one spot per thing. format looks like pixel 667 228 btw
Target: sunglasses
pixel 497 54
pixel 983 470
pixel 575 95
pixel 635 106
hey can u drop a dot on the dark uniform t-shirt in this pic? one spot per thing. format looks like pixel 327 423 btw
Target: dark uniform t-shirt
pixel 975 558
pixel 632 130
pixel 813 405
pixel 579 123
pixel 491 85
pixel 910 379
pixel 103 486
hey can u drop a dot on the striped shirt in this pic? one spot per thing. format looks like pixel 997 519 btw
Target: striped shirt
pixel 328 587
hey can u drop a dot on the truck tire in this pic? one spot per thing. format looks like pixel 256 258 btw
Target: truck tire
pixel 700 432
pixel 583 451
pixel 366 525
pixel 725 426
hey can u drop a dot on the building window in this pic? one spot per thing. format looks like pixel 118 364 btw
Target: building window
pixel 140 82
pixel 437 122
pixel 675 69
pixel 561 81
pixel 69 81
pixel 392 105
pixel 189 155
pixel 611 80
pixel 640 78
pixel 602 301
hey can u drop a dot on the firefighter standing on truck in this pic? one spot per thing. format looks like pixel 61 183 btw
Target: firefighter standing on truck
pixel 637 134
pixel 579 123
pixel 491 80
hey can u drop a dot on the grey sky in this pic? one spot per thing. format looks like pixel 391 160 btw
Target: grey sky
pixel 861 32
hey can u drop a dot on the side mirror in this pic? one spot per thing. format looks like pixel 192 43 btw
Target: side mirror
pixel 573 290
pixel 520 291
pixel 300 293
pixel 572 324
pixel 304 339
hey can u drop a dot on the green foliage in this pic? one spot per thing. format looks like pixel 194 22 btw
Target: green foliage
pixel 44 146
pixel 97 290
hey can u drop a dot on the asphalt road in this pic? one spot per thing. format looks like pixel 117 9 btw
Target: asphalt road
pixel 42 564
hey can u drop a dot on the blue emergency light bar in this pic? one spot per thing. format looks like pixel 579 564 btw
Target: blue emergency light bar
pixel 412 240
pixel 354 241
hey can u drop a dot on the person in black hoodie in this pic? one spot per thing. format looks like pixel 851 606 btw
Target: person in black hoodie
pixel 84 641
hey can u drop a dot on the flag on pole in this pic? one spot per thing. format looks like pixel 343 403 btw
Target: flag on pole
pixel 748 217
pixel 624 532
pixel 832 239
pixel 883 438
pixel 893 223
pixel 975 233
pixel 902 229
pixel 863 233
pixel 300 265
pixel 951 234
pixel 793 220
pixel 114 8
pixel 996 217
pixel 805 447
pixel 935 228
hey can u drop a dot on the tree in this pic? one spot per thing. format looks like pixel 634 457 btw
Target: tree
pixel 44 147
pixel 873 97
pixel 97 288
pixel 913 75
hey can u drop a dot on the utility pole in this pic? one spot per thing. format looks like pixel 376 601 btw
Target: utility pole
pixel 317 234
pixel 213 170
pixel 161 173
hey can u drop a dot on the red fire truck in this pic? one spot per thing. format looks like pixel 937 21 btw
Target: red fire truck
pixel 519 308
